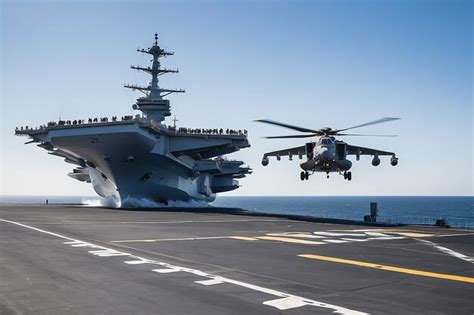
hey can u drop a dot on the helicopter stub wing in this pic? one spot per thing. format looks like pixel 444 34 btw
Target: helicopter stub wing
pixel 301 150
pixel 355 150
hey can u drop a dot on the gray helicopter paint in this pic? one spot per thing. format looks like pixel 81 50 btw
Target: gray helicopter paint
pixel 327 154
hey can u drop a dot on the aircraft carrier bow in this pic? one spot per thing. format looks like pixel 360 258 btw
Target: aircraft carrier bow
pixel 139 156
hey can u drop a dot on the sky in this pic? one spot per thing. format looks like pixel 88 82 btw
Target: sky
pixel 307 63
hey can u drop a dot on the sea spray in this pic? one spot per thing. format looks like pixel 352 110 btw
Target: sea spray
pixel 109 202
pixel 131 202
pixel 148 203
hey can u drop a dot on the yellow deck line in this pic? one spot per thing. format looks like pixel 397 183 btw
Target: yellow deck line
pixel 289 240
pixel 391 268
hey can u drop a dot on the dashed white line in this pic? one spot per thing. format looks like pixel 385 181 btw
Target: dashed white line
pixel 285 300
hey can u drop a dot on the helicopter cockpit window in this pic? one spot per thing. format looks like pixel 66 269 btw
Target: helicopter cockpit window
pixel 326 141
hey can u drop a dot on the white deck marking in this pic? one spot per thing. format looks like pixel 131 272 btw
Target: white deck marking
pixel 285 303
pixel 335 241
pixel 413 234
pixel 166 270
pixel 71 243
pixel 448 251
pixel 299 235
pixel 355 239
pixel 322 237
pixel 210 282
pixel 243 238
pixel 289 240
pixel 107 253
pixel 376 234
pixel 335 308
pixel 340 234
pixel 383 238
pixel 138 262
pixel 81 245
pixel 171 239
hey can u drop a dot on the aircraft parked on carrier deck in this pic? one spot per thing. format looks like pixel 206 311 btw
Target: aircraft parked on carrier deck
pixel 327 154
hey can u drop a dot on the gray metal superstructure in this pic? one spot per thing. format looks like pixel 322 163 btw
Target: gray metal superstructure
pixel 139 156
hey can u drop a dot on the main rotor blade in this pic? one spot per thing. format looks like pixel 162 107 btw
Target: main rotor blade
pixel 378 121
pixel 359 135
pixel 291 136
pixel 272 122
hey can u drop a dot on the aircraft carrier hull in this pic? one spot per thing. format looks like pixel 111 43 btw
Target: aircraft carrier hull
pixel 132 160
pixel 71 259
pixel 121 159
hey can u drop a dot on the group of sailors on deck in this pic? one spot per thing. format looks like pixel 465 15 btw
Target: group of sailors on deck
pixel 75 122
pixel 215 131
pixel 182 130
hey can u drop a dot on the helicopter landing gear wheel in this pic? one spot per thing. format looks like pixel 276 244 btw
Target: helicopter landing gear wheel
pixel 304 175
pixel 349 176
pixel 345 175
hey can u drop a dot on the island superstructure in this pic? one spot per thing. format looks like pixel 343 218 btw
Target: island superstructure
pixel 141 157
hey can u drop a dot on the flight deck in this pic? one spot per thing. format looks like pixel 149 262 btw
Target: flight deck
pixel 60 259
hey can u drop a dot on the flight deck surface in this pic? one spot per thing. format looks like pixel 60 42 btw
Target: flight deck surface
pixel 70 259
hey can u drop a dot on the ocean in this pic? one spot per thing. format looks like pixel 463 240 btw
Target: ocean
pixel 458 210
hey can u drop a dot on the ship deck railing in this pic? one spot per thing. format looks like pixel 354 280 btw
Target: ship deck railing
pixel 155 127
pixel 44 128
pixel 453 221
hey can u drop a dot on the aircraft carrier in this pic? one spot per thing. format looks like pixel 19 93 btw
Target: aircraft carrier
pixel 59 259
pixel 134 157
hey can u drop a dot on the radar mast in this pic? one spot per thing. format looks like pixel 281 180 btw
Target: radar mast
pixel 153 105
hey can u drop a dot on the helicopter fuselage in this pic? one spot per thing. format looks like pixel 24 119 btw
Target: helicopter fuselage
pixel 328 155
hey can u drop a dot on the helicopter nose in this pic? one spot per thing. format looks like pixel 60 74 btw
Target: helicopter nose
pixel 323 154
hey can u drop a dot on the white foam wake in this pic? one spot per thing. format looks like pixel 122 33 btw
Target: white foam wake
pixel 141 203
pixel 109 202
pixel 148 203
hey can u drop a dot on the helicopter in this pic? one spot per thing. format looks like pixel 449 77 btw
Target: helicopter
pixel 327 154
